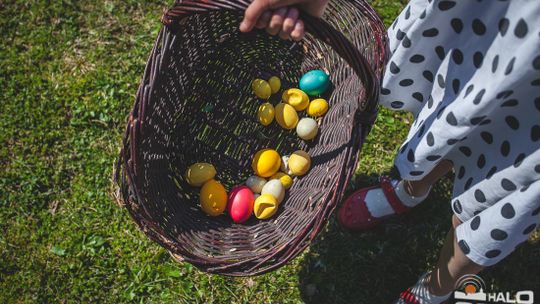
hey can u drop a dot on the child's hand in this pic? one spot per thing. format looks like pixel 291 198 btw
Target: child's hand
pixel 278 18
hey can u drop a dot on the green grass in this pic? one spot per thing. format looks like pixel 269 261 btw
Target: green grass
pixel 68 74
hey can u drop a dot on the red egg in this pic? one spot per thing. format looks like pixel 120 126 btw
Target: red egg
pixel 240 206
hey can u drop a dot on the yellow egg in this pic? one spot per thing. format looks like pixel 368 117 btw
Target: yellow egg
pixel 307 128
pixel 296 98
pixel 213 198
pixel 255 84
pixel 265 206
pixel 261 88
pixel 317 107
pixel 275 84
pixel 286 116
pixel 199 173
pixel 266 162
pixel 285 180
pixel 299 163
pixel 266 113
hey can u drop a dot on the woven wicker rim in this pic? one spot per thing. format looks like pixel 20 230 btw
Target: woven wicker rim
pixel 128 167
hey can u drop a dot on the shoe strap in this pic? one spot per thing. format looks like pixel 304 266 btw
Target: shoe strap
pixel 408 297
pixel 390 193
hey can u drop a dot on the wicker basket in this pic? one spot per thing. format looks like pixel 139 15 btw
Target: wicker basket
pixel 195 104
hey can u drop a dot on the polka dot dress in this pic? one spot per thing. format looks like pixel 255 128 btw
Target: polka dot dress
pixel 469 71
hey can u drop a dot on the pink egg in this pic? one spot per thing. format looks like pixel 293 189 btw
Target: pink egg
pixel 240 206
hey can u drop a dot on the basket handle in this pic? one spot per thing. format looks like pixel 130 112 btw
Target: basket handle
pixel 319 28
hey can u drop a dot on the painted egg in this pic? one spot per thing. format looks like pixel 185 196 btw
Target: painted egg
pixel 274 188
pixel 307 128
pixel 199 173
pixel 275 84
pixel 240 206
pixel 256 195
pixel 285 180
pixel 317 107
pixel 213 198
pixel 314 82
pixel 265 206
pixel 299 163
pixel 261 88
pixel 255 183
pixel 286 116
pixel 255 84
pixel 284 163
pixel 266 162
pixel 296 98
pixel 266 113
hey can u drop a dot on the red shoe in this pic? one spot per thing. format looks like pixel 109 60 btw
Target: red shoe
pixel 419 294
pixel 407 297
pixel 354 214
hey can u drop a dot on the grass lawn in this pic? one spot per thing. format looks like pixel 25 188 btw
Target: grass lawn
pixel 69 71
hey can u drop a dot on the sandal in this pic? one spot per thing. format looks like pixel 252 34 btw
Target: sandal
pixel 354 214
pixel 420 294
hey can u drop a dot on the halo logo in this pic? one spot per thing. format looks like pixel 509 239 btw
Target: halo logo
pixel 471 290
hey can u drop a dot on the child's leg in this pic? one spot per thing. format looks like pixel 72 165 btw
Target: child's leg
pixel 452 265
pixel 486 238
pixel 421 187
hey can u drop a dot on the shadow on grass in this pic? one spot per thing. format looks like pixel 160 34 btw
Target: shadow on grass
pixel 375 266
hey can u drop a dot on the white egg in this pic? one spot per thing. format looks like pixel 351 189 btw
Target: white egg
pixel 274 188
pixel 307 128
pixel 284 163
pixel 255 183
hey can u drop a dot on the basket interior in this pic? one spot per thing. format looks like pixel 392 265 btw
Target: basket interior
pixel 202 109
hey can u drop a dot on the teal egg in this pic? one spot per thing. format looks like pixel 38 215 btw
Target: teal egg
pixel 314 82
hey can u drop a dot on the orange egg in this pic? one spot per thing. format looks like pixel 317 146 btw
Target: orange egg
pixel 213 198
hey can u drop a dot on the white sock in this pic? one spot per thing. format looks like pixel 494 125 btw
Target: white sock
pixel 421 291
pixel 407 199
pixel 378 205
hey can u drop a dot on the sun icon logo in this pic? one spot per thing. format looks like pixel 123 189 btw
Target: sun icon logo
pixel 470 287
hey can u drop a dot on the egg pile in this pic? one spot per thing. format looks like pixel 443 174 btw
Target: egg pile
pixel 294 100
pixel 263 192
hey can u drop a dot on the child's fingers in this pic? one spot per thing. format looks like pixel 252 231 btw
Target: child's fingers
pixel 288 23
pixel 276 22
pixel 264 20
pixel 298 32
pixel 252 14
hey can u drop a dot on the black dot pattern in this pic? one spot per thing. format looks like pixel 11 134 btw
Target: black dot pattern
pixel 508 185
pixel 498 235
pixel 478 59
pixel 457 25
pixel 466 71
pixel 464 247
pixel 439 50
pixel 529 229
pixel 479 196
pixel 475 223
pixel 479 28
pixel 507 211
pixel 457 207
pixel 493 253
pixel 446 5
pixel 521 29
pixel 503 26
